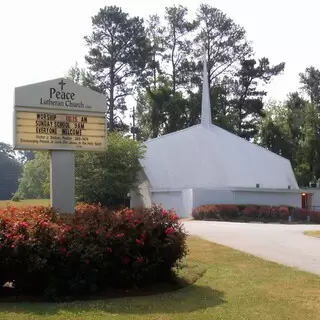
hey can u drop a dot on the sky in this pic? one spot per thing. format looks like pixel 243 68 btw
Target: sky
pixel 41 40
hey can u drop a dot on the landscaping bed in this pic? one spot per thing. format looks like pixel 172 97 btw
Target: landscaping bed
pixel 255 213
pixel 45 254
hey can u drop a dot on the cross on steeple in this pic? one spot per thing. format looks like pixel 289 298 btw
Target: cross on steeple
pixel 206 119
pixel 61 83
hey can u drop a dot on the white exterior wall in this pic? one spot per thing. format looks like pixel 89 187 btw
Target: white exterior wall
pixel 187 202
pixel 315 198
pixel 181 201
pixel 267 198
pixel 211 196
pixel 170 200
pixel 214 196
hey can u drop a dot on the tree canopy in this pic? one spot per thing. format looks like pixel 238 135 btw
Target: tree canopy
pixel 10 171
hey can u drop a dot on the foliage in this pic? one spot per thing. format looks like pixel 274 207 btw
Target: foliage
pixel 247 102
pixel 100 177
pixel 177 45
pixel 310 83
pixel 43 253
pixel 108 178
pixel 16 198
pixel 35 180
pixel 224 42
pixel 118 51
pixel 10 171
pixel 159 61
pixel 291 129
pixel 254 213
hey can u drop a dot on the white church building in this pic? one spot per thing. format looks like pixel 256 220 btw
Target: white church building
pixel 205 164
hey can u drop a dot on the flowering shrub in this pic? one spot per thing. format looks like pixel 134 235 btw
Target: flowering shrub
pixel 227 212
pixel 209 212
pixel 216 212
pixel 250 213
pixel 254 213
pixel 52 255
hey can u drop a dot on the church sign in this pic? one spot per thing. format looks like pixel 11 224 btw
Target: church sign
pixel 59 115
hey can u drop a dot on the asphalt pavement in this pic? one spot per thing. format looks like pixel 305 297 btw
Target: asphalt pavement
pixel 280 243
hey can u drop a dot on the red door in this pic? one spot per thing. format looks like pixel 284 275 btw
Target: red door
pixel 306 200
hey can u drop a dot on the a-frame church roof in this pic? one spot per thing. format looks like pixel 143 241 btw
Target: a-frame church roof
pixel 207 156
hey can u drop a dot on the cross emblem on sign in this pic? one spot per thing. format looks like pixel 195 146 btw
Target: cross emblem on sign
pixel 61 83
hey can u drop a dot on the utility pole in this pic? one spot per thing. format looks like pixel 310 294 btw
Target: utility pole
pixel 134 123
pixel 136 135
pixel 133 128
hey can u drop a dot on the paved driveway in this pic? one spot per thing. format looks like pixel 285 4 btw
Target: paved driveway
pixel 285 244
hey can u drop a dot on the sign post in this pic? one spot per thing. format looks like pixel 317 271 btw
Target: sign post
pixel 62 184
pixel 61 117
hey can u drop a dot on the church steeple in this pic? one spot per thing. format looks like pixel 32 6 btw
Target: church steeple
pixel 206 119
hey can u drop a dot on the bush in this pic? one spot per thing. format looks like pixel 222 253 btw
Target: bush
pixel 254 213
pixel 16 198
pixel 216 212
pixel 250 213
pixel 52 255
pixel 227 212
pixel 209 212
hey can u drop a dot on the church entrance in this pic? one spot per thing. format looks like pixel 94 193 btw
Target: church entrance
pixel 306 200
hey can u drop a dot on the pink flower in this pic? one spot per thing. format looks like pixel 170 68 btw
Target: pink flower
pixel 68 228
pixel 120 235
pixel 140 259
pixel 44 224
pixel 109 250
pixel 63 250
pixel 23 224
pixel 140 242
pixel 164 212
pixel 87 261
pixel 61 239
pixel 125 260
pixel 170 231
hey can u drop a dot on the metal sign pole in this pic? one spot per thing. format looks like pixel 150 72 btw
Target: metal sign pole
pixel 62 182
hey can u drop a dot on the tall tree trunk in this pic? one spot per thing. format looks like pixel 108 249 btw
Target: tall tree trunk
pixel 111 104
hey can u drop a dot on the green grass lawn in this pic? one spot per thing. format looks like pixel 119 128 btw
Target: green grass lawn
pixel 36 202
pixel 233 285
pixel 313 233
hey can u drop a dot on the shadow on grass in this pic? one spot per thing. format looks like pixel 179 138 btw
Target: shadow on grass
pixel 189 299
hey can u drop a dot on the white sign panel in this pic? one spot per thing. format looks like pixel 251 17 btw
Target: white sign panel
pixel 60 94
